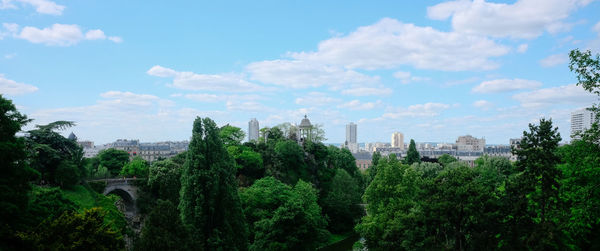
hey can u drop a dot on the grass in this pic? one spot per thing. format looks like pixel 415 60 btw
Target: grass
pixel 86 198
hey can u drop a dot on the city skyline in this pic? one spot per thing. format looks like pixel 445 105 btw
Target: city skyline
pixel 427 69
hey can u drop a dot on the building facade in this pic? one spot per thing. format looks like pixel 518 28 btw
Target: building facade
pixel 581 120
pixel 351 135
pixel 398 140
pixel 469 143
pixel 253 130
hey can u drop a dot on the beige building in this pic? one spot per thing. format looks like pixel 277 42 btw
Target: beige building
pixel 398 140
pixel 469 143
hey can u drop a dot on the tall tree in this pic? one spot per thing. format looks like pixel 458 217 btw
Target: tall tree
pixel 412 155
pixel 209 203
pixel 536 190
pixel 14 172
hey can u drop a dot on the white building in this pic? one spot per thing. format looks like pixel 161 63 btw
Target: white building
pixel 351 137
pixel 469 143
pixel 581 120
pixel 398 140
pixel 253 130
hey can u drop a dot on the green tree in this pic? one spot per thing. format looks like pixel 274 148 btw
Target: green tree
pixel 74 231
pixel 391 207
pixel 342 203
pixel 47 203
pixel 446 159
pixel 231 135
pixel 137 167
pixel 58 159
pixel 579 190
pixel 113 160
pixel 163 229
pixel 209 201
pixel 289 164
pixel 412 155
pixel 587 70
pixel 372 171
pixel 533 199
pixel 283 218
pixel 164 180
pixel 14 172
pixel 249 164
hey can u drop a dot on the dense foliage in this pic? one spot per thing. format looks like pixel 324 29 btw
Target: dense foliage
pixel 209 202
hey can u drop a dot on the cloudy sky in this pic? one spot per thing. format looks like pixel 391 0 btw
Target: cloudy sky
pixel 433 70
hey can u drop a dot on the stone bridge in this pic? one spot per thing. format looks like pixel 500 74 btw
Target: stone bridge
pixel 127 190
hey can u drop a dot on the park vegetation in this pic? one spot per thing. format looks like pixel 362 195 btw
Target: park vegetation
pixel 279 194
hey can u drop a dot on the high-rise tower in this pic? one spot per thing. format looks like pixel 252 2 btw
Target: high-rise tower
pixel 398 140
pixel 253 130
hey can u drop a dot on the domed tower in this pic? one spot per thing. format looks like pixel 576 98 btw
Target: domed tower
pixel 305 128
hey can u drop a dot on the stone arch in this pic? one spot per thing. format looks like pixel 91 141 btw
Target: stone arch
pixel 128 197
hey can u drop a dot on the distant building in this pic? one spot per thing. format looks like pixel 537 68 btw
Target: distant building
pixel 86 144
pixel 363 160
pixel 253 130
pixel 398 140
pixel 161 150
pixel 130 146
pixel 469 143
pixel 351 135
pixel 581 120
pixel 370 147
pixel 72 136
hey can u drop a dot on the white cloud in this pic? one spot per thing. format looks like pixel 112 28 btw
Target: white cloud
pixel 554 60
pixel 461 81
pixel 203 97
pixel 390 43
pixel 368 91
pixel 13 88
pixel 316 99
pixel 246 106
pixel 10 55
pixel 124 112
pixel 406 77
pixel 522 48
pixel 212 98
pixel 522 19
pixel 41 6
pixel 130 98
pixel 566 94
pixel 59 35
pixel 95 35
pixel 419 110
pixel 205 82
pixel 302 74
pixel 594 45
pixel 357 105
pixel 505 85
pixel 11 27
pixel 483 104
pixel 115 39
pixel 596 27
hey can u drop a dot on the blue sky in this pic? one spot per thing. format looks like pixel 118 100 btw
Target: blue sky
pixel 433 70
